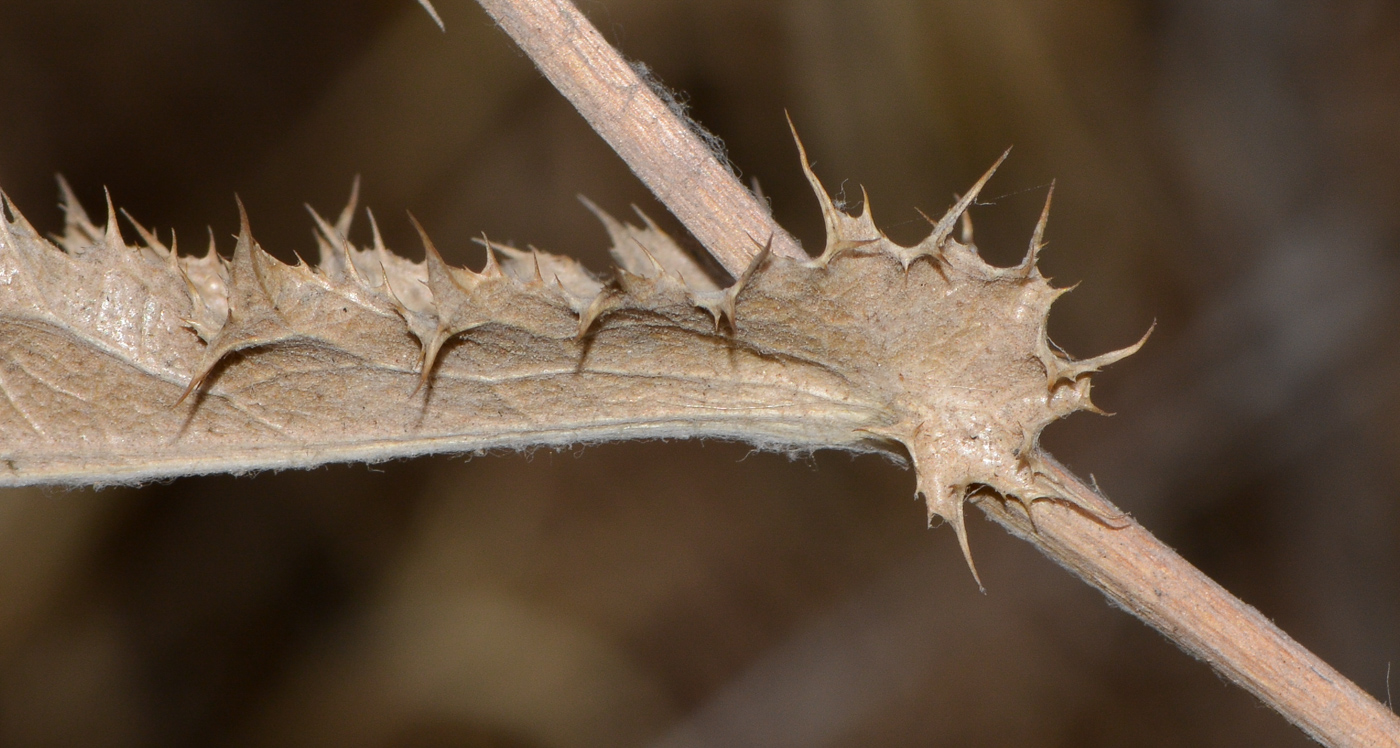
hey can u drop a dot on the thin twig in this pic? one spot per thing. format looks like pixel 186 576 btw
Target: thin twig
pixel 1126 563
pixel 662 149
pixel 1148 579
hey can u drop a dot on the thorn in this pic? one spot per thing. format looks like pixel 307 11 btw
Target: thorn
pixel 335 239
pixel 195 382
pixel 593 208
pixel 347 216
pixel 68 200
pixel 112 233
pixel 148 237
pixel 79 232
pixel 595 310
pixel 428 6
pixel 749 272
pixel 379 247
pixel 1030 514
pixel 539 277
pixel 334 254
pixel 245 231
pixel 17 218
pixel 431 254
pixel 944 228
pixel 657 269
pixel 172 258
pixel 757 190
pixel 73 212
pixel 1091 365
pixel 646 219
pixel 439 276
pixel 966 237
pixel 425 367
pixel 439 271
pixel 829 216
pixel 721 305
pixel 959 524
pixel 948 504
pixel 1028 266
pixel 492 268
pixel 212 250
pixel 621 237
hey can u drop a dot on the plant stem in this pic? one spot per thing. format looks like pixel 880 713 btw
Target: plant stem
pixel 1146 578
pixel 660 147
pixel 1127 563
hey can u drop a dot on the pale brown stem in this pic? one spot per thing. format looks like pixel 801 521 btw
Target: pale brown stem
pixel 1148 579
pixel 660 147
pixel 1126 563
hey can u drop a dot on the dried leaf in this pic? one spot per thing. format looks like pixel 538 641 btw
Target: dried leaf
pixel 123 364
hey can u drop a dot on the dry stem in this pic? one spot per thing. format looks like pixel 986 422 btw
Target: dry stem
pixel 1146 578
pixel 661 148
pixel 1127 563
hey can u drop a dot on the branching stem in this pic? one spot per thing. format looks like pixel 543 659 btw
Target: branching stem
pixel 1129 565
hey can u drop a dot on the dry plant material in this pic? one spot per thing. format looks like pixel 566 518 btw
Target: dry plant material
pixel 127 363
pixel 123 363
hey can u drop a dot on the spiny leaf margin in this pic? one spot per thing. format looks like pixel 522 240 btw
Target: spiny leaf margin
pixel 124 363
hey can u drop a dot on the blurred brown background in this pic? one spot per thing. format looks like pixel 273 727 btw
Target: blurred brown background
pixel 1231 170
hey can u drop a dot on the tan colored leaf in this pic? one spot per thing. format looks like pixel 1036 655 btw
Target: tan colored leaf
pixel 122 364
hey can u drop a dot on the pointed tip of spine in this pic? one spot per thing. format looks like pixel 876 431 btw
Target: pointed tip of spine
pixel 765 251
pixel 944 228
pixel 829 211
pixel 865 214
pixel 594 209
pixel 1076 369
pixel 492 269
pixel 960 527
pixel 152 241
pixel 430 250
pixel 69 199
pixel 245 229
pixel 617 231
pixel 112 233
pixel 948 503
pixel 200 377
pixel 595 310
pixel 431 348
pixel 323 226
pixel 723 305
pixel 539 276
pixel 74 214
pixel 16 219
pixel 437 19
pixel 443 278
pixel 378 238
pixel 346 220
pixel 1028 266
pixel 66 194
pixel 195 381
pixel 173 255
pixel 731 294
pixel 213 248
pixel 243 247
pixel 335 248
